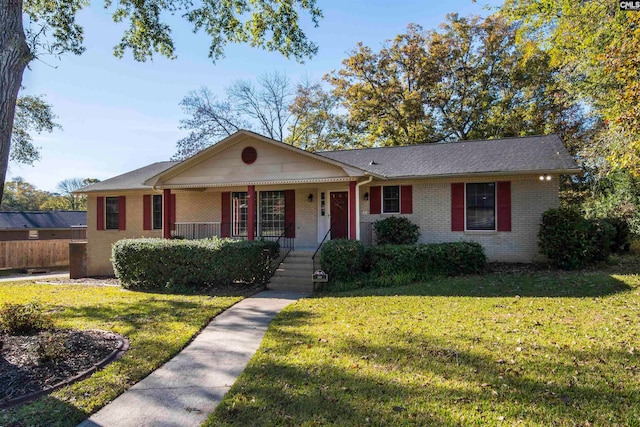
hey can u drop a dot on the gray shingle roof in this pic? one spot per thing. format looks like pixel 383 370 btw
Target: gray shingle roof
pixel 49 219
pixel 133 180
pixel 526 154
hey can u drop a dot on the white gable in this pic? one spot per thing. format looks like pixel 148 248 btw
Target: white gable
pixel 273 164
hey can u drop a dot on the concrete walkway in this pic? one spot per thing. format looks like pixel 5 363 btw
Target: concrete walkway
pixel 36 276
pixel 186 389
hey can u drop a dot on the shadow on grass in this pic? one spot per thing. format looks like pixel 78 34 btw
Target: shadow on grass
pixel 541 284
pixel 46 411
pixel 424 381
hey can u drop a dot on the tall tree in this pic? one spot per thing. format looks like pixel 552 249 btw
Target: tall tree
pixel 273 25
pixel 264 107
pixel 595 44
pixel 468 80
pixel 316 123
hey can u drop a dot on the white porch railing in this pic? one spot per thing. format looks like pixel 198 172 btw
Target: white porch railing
pixel 196 230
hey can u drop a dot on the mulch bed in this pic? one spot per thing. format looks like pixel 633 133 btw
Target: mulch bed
pixel 42 361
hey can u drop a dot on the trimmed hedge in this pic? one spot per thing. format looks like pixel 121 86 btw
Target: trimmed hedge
pixel 418 261
pixel 399 264
pixel 193 264
pixel 569 241
pixel 342 258
pixel 396 230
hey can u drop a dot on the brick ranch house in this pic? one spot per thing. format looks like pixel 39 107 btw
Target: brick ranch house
pixel 248 186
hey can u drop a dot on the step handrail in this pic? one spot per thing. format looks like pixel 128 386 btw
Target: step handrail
pixel 313 257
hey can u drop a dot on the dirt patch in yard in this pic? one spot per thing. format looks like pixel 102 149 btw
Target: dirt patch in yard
pixel 38 363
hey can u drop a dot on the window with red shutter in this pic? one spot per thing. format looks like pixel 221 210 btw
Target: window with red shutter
pixel 122 213
pixel 146 212
pixel 375 199
pixel 504 206
pixel 100 213
pixel 290 213
pixel 406 199
pixel 457 206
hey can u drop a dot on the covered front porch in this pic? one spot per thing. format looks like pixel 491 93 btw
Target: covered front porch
pixel 306 214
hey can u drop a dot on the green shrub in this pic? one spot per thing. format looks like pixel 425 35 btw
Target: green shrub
pixel 396 230
pixel 622 238
pixel 401 264
pixel 342 259
pixel 570 241
pixel 191 264
pixel 16 319
pixel 602 238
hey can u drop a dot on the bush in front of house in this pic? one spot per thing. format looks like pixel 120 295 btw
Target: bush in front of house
pixel 396 265
pixel 342 259
pixel 17 319
pixel 396 230
pixel 570 241
pixel 191 264
pixel 407 263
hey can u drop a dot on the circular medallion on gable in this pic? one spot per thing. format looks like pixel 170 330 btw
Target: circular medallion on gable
pixel 249 155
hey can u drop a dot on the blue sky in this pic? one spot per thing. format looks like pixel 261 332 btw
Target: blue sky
pixel 119 115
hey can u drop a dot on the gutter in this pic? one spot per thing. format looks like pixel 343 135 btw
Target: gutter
pixel 358 185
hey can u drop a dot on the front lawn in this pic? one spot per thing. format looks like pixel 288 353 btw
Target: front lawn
pixel 157 325
pixel 536 349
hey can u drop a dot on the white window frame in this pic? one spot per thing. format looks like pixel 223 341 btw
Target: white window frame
pixel 382 210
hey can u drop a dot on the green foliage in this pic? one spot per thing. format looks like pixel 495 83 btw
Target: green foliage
pixel 33 114
pixel 51 348
pixel 468 80
pixel 402 264
pixel 396 230
pixel 341 258
pixel 191 264
pixel 16 319
pixel 570 241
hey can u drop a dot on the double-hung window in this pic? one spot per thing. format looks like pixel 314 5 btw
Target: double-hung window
pixel 481 206
pixel 272 213
pixel 111 210
pixel 157 212
pixel 391 199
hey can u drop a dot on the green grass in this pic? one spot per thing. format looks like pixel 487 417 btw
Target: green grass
pixel 543 349
pixel 157 325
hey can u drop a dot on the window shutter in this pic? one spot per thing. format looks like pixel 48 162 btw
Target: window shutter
pixel 100 213
pixel 122 213
pixel 457 206
pixel 504 206
pixel 146 212
pixel 290 213
pixel 225 216
pixel 375 200
pixel 172 218
pixel 406 199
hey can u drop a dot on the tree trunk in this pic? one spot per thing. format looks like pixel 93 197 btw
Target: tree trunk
pixel 14 57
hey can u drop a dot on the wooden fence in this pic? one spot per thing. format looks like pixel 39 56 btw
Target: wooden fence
pixel 34 253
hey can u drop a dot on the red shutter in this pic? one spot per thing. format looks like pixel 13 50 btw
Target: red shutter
pixel 406 199
pixel 457 206
pixel 172 218
pixel 122 213
pixel 504 206
pixel 375 200
pixel 146 212
pixel 100 213
pixel 225 216
pixel 290 213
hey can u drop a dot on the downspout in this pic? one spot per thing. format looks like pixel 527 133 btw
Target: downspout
pixel 358 204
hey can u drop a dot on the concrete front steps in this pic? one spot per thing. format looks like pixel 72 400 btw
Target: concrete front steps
pixel 294 274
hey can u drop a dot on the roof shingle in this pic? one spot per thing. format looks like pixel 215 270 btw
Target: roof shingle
pixel 526 154
pixel 48 219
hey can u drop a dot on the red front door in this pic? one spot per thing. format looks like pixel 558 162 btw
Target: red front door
pixel 339 211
